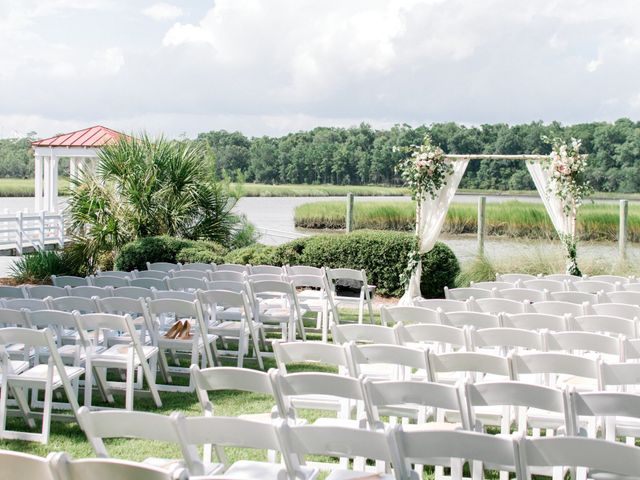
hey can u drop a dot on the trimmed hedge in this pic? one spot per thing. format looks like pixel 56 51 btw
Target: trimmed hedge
pixel 382 254
pixel 136 254
pixel 257 254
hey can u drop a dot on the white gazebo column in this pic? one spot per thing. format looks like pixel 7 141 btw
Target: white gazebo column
pixel 54 183
pixel 73 171
pixel 46 202
pixel 38 186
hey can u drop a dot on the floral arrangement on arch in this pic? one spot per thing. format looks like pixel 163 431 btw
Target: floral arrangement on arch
pixel 568 183
pixel 425 169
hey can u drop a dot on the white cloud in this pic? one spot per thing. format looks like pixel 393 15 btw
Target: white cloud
pixel 163 11
pixel 271 67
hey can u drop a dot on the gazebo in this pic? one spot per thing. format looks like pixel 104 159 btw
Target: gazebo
pixel 80 147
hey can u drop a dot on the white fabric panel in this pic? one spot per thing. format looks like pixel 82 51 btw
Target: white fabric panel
pixel 431 216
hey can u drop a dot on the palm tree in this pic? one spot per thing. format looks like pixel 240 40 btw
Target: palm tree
pixel 146 187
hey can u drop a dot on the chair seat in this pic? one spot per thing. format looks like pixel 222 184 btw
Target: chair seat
pixel 121 353
pixel 250 470
pixel 173 464
pixel 228 328
pixel 352 474
pixel 431 426
pixel 38 374
pixel 18 366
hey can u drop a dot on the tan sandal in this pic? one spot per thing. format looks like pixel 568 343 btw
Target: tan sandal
pixel 185 333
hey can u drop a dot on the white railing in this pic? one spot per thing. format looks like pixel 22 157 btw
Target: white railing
pixel 36 230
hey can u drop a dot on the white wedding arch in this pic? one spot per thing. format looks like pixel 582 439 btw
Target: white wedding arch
pixel 431 211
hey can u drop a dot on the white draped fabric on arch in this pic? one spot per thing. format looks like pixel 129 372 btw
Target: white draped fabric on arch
pixel 432 212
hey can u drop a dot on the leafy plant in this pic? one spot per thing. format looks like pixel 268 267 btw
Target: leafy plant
pixel 144 188
pixel 37 267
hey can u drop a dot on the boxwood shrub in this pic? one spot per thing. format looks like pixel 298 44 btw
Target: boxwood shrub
pixel 163 248
pixel 257 254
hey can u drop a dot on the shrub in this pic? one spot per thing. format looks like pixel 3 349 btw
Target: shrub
pixel 382 254
pixel 257 254
pixel 136 254
pixel 37 267
pixel 199 254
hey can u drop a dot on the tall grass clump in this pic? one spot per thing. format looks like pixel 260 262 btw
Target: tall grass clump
pixel 37 267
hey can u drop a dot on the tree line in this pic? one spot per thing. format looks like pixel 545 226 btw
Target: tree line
pixel 364 155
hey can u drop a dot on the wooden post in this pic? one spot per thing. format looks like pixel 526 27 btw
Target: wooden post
pixel 349 220
pixel 20 233
pixel 482 203
pixel 622 229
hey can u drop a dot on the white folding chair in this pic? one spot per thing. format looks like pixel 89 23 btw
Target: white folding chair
pixel 606 324
pixel 311 353
pixel 197 274
pixel 554 307
pixel 593 286
pixel 200 266
pixel 498 305
pixel 227 276
pixel 623 310
pixel 187 284
pixel 231 267
pixel 73 303
pixel 50 377
pixel 63 325
pixel 148 283
pixel 443 304
pixel 453 367
pixel 594 345
pixel 504 339
pixel 237 433
pixel 32 304
pixel 110 424
pixel 545 284
pixel 129 357
pixel 43 291
pixel 630 298
pixel 303 270
pixel 514 277
pixel 284 311
pixel 466 293
pixel 267 277
pixel 529 295
pixel 436 447
pixel 154 274
pixel 196 342
pixel 24 465
pixel 631 287
pixel 215 303
pixel 556 370
pixel 110 469
pixel 530 406
pixel 563 277
pixel 363 333
pixel 7 292
pixel 314 295
pixel 133 292
pixel 491 285
pixel 69 281
pixel 344 442
pixel 562 453
pixel 433 406
pixel 617 412
pixel 109 281
pixel 475 319
pixel 163 266
pixel 387 362
pixel 174 295
pixel 338 276
pixel 536 321
pixel 408 315
pixel 268 269
pixel 579 298
pixel 621 376
pixel 613 279
pixel 115 273
pixel 434 336
pixel 90 291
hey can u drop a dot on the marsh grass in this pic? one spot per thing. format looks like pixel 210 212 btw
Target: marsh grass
pixel 24 187
pixel 596 221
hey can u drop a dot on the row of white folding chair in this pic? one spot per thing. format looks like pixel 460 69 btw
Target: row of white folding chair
pixel 59 466
pixel 410 398
pixel 515 277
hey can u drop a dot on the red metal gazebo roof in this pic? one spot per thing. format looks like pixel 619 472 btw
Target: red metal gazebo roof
pixel 87 137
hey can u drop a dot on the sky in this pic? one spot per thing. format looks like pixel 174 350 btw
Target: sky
pixel 270 67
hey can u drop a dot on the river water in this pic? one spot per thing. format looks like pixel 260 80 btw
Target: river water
pixel 273 216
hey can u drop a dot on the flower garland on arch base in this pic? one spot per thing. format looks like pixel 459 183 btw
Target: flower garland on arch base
pixel 424 171
pixel 567 182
